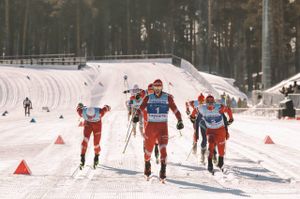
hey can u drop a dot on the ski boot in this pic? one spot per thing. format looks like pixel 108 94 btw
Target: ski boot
pixel 156 152
pixel 82 161
pixel 195 148
pixel 96 160
pixel 162 172
pixel 210 166
pixel 221 163
pixel 147 171
pixel 202 158
pixel 214 158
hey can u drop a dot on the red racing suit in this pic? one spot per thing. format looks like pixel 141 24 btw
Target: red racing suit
pixel 92 123
pixel 215 126
pixel 157 122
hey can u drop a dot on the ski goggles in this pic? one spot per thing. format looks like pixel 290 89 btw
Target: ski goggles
pixel 157 87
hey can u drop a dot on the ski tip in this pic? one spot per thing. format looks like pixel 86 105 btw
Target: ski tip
pixel 147 177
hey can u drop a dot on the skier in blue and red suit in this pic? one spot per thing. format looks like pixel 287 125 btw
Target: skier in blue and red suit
pixel 157 105
pixel 212 113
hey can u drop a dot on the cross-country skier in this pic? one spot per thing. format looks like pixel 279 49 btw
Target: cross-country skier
pixel 156 151
pixel 211 112
pixel 134 104
pixel 134 91
pixel 157 105
pixel 92 123
pixel 27 106
pixel 196 120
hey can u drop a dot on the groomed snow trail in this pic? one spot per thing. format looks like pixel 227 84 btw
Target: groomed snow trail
pixel 254 169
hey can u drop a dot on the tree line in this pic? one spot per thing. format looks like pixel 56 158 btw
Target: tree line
pixel 219 36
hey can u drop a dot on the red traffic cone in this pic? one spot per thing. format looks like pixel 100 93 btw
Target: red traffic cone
pixel 268 140
pixel 23 169
pixel 59 140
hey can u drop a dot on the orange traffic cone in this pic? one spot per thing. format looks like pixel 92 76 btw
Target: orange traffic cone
pixel 268 140
pixel 59 140
pixel 23 169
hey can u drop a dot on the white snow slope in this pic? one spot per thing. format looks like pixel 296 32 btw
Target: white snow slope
pixel 255 169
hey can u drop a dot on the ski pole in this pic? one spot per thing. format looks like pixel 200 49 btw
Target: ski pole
pixel 125 147
pixel 189 154
pixel 131 120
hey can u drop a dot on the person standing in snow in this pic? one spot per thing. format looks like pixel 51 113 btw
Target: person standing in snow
pixel 92 123
pixel 157 105
pixel 216 132
pixel 27 106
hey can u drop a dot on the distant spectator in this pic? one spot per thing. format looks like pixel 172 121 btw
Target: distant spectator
pixel 223 98
pixel 290 89
pixel 296 88
pixel 283 91
pixel 233 103
pixel 239 103
pixel 245 105
pixel 228 101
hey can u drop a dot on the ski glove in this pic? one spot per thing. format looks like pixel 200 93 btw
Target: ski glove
pixel 192 119
pixel 188 112
pixel 108 107
pixel 135 119
pixel 179 125
pixel 227 135
pixel 230 121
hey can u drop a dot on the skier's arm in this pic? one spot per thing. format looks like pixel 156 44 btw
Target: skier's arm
pixel 79 111
pixel 193 115
pixel 226 109
pixel 173 107
pixel 143 105
pixel 187 108
pixel 104 110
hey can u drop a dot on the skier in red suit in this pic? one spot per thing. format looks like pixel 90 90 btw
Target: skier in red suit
pixel 92 123
pixel 157 105
pixel 212 114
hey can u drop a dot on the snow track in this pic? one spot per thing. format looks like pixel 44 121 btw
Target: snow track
pixel 253 168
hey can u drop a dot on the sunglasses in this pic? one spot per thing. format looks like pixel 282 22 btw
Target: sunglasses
pixel 157 87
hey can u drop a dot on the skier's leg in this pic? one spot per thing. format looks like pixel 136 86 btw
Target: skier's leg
pixel 156 152
pixel 163 142
pixel 211 146
pixel 86 133
pixel 149 142
pixel 221 140
pixel 141 123
pixel 204 140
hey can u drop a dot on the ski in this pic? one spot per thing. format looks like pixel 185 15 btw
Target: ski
pixel 147 177
pixel 163 181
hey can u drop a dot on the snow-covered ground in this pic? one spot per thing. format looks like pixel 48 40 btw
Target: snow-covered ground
pixel 255 169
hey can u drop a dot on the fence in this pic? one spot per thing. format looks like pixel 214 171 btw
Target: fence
pixel 45 60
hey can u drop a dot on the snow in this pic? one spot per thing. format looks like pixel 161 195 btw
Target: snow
pixel 255 169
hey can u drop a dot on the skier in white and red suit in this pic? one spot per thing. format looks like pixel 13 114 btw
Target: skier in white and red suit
pixel 157 105
pixel 92 123
pixel 212 113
